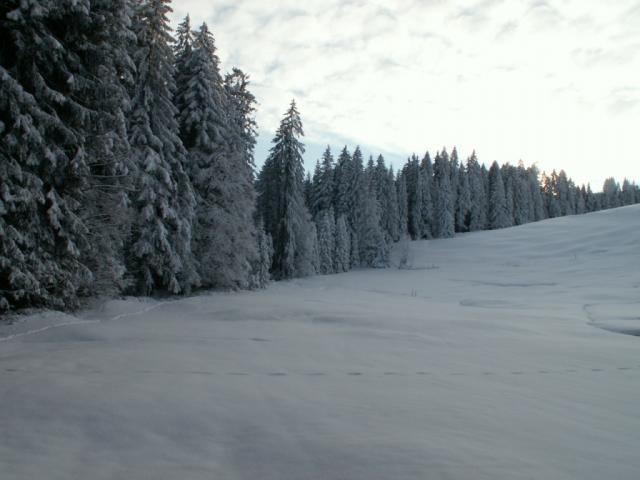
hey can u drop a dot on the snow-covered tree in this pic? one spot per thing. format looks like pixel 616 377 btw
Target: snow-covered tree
pixel 323 185
pixel 463 200
pixel 611 193
pixel 403 216
pixel 342 256
pixel 160 257
pixel 443 214
pixel 427 207
pixel 262 264
pixel 281 202
pixel 343 175
pixel 478 212
pixel 374 249
pixel 497 199
pixel 325 224
pixel 415 187
pixel 64 67
pixel 216 127
pixel 387 198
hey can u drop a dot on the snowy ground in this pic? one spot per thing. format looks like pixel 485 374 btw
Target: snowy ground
pixel 487 360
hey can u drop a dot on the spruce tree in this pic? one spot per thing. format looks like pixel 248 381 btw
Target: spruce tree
pixel 325 223
pixel 342 256
pixel 403 216
pixel 497 199
pixel 160 256
pixel 343 175
pixel 63 153
pixel 443 212
pixel 463 201
pixel 281 202
pixel 374 249
pixel 323 184
pixel 216 128
pixel 427 205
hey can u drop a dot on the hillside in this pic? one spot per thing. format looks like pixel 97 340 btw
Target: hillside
pixel 496 355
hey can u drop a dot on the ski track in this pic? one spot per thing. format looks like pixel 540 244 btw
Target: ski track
pixel 84 322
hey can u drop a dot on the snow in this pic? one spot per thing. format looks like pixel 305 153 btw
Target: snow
pixel 487 359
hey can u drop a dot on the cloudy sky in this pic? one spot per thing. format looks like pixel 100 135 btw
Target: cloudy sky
pixel 555 82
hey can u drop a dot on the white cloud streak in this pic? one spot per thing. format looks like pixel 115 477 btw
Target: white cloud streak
pixel 547 81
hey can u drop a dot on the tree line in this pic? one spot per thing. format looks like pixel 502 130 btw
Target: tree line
pixel 127 166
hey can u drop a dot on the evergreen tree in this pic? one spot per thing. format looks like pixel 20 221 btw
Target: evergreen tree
pixel 590 200
pixel 611 193
pixel 326 241
pixel 415 186
pixel 478 210
pixel 453 173
pixel 427 208
pixel 401 186
pixel 497 199
pixel 262 264
pixel 217 129
pixel 507 177
pixel 63 152
pixel 522 201
pixel 628 193
pixel 387 197
pixel 444 212
pixel 323 185
pixel 374 250
pixel 160 252
pixel 550 196
pixel 281 202
pixel 343 175
pixel 342 257
pixel 537 203
pixel 356 199
pixel 463 201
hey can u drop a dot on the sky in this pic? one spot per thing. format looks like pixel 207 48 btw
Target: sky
pixel 551 82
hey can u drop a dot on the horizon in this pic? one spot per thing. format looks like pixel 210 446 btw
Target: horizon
pixel 545 82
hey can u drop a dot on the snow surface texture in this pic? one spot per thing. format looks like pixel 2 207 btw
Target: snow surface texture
pixel 482 360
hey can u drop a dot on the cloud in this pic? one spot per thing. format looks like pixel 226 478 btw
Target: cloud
pixel 510 79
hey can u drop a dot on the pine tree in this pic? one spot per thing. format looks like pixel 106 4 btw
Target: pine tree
pixel 590 200
pixel 281 202
pixel 478 211
pixel 342 256
pixel 463 201
pixel 343 175
pixel 522 201
pixel 453 173
pixel 497 199
pixel 611 193
pixel 374 250
pixel 507 172
pixel 443 212
pixel 183 50
pixel 628 193
pixel 326 241
pixel 401 186
pixel 160 256
pixel 356 199
pixel 427 205
pixel 415 185
pixel 323 185
pixel 387 198
pixel 537 207
pixel 63 152
pixel 218 130
pixel 262 264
